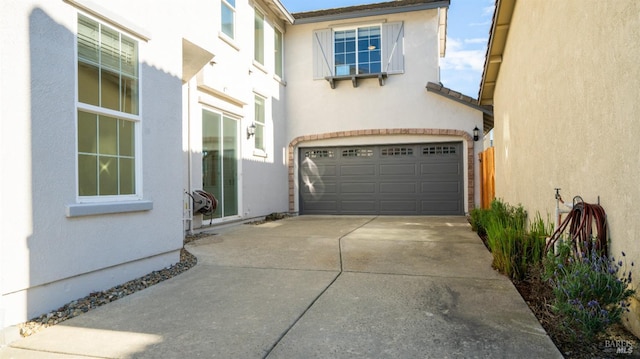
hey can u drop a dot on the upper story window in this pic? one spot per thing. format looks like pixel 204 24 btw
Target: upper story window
pixel 278 41
pixel 373 49
pixel 357 51
pixel 108 111
pixel 258 37
pixel 228 8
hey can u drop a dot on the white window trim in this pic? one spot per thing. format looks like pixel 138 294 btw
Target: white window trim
pixel 91 209
pixel 98 13
pixel 392 47
pixel 231 42
pixel 356 27
pixel 93 205
pixel 275 74
pixel 261 152
pixel 235 18
pixel 260 67
pixel 207 106
pixel 258 10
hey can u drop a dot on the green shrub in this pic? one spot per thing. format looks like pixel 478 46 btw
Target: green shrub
pixel 539 231
pixel 505 226
pixel 514 249
pixel 502 241
pixel 589 292
pixel 478 218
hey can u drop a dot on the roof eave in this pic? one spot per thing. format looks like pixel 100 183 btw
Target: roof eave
pixel 370 12
pixel 458 97
pixel 493 57
pixel 278 8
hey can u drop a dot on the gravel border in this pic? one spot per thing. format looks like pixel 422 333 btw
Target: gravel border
pixel 96 299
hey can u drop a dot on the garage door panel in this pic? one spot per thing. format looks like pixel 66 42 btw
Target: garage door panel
pixel 407 179
pixel 440 187
pixel 352 206
pixel 398 169
pixel 319 188
pixel 357 187
pixel 395 187
pixel 440 168
pixel 408 206
pixel 358 170
pixel 315 170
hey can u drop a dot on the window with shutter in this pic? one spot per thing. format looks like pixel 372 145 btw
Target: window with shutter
pixel 322 54
pixel 393 47
pixel 358 52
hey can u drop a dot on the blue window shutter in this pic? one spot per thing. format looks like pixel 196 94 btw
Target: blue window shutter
pixel 322 54
pixel 393 47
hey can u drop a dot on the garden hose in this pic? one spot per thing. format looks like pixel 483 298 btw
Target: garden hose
pixel 587 225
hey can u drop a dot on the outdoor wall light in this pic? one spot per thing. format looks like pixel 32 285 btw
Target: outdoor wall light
pixel 251 130
pixel 476 134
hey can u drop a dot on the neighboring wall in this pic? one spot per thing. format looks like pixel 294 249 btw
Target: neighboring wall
pixel 313 108
pixel 566 113
pixel 46 257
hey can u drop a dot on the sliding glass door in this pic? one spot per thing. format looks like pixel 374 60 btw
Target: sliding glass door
pixel 220 161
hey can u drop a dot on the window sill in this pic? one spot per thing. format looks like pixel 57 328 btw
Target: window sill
pixel 92 209
pixel 228 40
pixel 354 78
pixel 260 67
pixel 280 80
pixel 259 153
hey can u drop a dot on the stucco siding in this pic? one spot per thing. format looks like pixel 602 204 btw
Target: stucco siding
pixel 228 86
pixel 48 258
pixel 566 108
pixel 314 107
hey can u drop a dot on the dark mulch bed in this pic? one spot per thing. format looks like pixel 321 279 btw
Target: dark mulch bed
pixel 539 296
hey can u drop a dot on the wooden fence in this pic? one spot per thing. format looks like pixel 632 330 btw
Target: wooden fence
pixel 487 177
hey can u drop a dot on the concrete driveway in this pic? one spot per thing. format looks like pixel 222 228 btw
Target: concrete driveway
pixel 316 287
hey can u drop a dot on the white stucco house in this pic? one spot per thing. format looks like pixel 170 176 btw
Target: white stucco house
pixel 114 113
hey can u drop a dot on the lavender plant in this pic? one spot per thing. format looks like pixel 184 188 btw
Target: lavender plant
pixel 592 292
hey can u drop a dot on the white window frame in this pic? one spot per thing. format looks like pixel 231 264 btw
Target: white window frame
pixel 258 54
pixel 356 28
pixel 260 150
pixel 278 68
pixel 137 121
pixel 392 47
pixel 227 4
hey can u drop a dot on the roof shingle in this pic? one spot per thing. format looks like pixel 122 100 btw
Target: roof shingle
pixel 397 5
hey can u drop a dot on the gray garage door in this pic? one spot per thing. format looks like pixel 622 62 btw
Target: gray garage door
pixel 415 179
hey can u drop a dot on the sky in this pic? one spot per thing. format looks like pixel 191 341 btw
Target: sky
pixel 468 25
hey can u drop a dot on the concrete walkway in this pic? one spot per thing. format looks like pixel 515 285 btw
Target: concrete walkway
pixel 315 287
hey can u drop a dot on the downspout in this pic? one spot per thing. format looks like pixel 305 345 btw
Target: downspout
pixel 189 157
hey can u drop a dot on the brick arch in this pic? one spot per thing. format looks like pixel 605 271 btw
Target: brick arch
pixel 381 132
